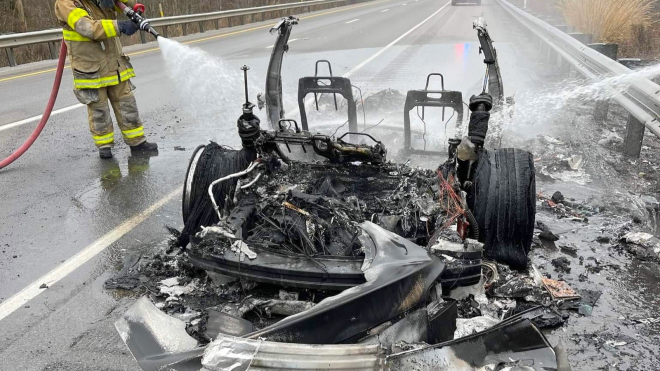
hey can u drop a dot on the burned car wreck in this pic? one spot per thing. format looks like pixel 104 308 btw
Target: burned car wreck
pixel 316 252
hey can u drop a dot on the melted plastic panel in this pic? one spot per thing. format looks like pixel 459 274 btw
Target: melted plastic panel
pixel 398 279
pixel 157 340
pixel 391 251
pixel 412 328
pixel 518 343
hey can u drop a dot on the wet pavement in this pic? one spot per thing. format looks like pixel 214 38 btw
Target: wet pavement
pixel 60 198
pixel 622 331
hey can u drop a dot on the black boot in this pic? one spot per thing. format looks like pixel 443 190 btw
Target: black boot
pixel 105 152
pixel 145 147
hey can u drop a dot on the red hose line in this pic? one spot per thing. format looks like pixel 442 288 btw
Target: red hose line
pixel 44 119
pixel 120 5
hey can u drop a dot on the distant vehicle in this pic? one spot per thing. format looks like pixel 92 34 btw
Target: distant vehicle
pixel 471 2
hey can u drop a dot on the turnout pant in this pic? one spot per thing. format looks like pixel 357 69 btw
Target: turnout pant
pixel 123 103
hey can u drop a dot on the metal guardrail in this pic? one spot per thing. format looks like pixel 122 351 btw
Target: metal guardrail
pixel 641 98
pixel 54 35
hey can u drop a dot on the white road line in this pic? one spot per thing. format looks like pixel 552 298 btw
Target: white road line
pixel 355 20
pixel 385 48
pixel 404 4
pixel 290 41
pixel 37 118
pixel 309 99
pixel 386 10
pixel 31 291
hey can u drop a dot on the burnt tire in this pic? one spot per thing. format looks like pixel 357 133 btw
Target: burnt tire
pixel 503 201
pixel 188 182
pixel 207 164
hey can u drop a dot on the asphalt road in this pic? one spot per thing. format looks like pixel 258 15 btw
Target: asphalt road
pixel 66 210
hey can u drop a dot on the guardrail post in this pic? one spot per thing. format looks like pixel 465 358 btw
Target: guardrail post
pixel 631 63
pixel 584 38
pixel 539 42
pixel 52 47
pixel 602 106
pixel 543 46
pixel 143 37
pixel 201 27
pixel 184 29
pixel 165 31
pixel 546 49
pixel 632 144
pixel 10 56
pixel 217 24
pixel 552 54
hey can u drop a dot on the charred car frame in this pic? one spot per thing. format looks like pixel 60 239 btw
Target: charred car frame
pixel 331 215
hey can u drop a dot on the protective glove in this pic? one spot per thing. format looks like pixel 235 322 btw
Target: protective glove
pixel 139 8
pixel 127 27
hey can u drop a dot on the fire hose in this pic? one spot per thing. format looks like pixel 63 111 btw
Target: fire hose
pixel 44 119
pixel 134 16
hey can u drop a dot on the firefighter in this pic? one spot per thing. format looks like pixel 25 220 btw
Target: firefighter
pixel 102 72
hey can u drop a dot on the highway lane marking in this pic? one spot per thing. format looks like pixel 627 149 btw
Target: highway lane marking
pixel 31 74
pixel 388 46
pixel 206 38
pixel 355 20
pixel 386 10
pixel 37 118
pixel 66 109
pixel 308 101
pixel 17 301
pixel 289 42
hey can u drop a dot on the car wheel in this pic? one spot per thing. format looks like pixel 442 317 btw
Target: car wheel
pixel 503 200
pixel 188 182
pixel 207 164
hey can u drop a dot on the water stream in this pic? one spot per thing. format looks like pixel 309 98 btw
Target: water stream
pixel 209 89
pixel 553 99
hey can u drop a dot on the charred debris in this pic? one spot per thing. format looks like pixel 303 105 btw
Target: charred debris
pixel 308 251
